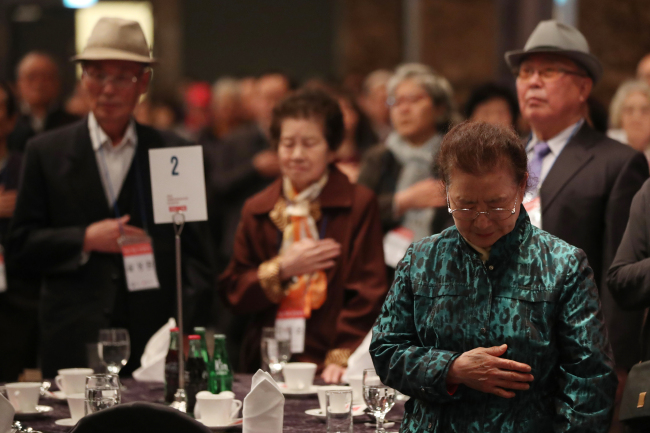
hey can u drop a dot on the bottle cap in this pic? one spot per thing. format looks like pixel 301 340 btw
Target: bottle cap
pixel 219 336
pixel 199 329
pixel 173 330
pixel 194 337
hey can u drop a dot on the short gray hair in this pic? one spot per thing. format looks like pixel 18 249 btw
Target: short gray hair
pixel 377 78
pixel 624 90
pixel 225 86
pixel 437 87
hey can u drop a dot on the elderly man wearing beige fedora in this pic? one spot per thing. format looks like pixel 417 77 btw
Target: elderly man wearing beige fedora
pixel 586 181
pixel 85 203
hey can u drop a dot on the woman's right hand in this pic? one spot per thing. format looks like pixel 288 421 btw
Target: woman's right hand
pixel 307 256
pixel 482 369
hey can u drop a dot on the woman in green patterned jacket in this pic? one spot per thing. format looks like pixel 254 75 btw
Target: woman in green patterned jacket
pixel 494 325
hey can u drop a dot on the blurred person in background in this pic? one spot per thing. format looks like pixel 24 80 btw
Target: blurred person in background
pixel 19 337
pixel 242 165
pixel 78 103
pixel 358 138
pixel 630 115
pixel 374 102
pixel 247 87
pixel 643 69
pixel 309 244
pixel 196 98
pixel 38 84
pixel 400 171
pixel 586 181
pixel 227 111
pixel 493 103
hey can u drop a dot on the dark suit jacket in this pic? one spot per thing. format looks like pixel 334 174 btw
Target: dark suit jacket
pixel 629 276
pixel 586 200
pixel 23 130
pixel 61 193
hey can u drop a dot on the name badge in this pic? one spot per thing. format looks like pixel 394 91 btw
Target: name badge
pixel 534 209
pixel 139 263
pixel 396 243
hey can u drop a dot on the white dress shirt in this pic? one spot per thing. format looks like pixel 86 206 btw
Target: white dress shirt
pixel 113 162
pixel 555 144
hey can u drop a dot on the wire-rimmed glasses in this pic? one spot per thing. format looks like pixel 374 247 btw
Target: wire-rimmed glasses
pixel 496 214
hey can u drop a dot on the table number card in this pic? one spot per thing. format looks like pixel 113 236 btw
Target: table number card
pixel 178 183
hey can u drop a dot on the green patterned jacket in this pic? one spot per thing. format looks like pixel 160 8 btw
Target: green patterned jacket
pixel 536 294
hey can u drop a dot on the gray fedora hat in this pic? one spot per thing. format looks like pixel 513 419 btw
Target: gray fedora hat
pixel 562 39
pixel 116 39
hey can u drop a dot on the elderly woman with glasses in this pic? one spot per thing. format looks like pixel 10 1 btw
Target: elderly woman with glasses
pixel 494 325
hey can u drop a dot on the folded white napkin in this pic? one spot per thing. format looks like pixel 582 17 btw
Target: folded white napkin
pixel 6 415
pixel 152 362
pixel 264 406
pixel 359 360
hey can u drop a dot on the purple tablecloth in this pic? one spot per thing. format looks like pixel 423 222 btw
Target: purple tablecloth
pixel 295 418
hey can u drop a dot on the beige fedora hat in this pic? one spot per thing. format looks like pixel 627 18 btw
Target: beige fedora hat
pixel 116 39
pixel 558 38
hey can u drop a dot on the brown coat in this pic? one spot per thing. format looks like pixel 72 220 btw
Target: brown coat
pixel 356 285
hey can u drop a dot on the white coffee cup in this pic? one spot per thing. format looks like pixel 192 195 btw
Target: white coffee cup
pixel 73 380
pixel 323 389
pixel 24 395
pixel 76 405
pixel 217 409
pixel 356 382
pixel 299 375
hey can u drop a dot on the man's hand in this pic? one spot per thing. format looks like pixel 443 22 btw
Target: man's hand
pixel 482 369
pixel 267 164
pixel 426 193
pixel 307 256
pixel 7 202
pixel 102 236
pixel 333 373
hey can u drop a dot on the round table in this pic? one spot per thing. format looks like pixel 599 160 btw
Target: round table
pixel 295 418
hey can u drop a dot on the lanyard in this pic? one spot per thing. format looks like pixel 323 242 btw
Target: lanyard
pixel 138 182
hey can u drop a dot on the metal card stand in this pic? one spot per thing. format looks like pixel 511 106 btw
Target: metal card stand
pixel 180 398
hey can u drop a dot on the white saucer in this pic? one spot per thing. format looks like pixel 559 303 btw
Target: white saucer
pixel 357 410
pixel 40 411
pixel 236 424
pixel 65 422
pixel 312 390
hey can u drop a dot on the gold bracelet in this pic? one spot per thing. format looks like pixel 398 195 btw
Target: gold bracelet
pixel 269 275
pixel 338 357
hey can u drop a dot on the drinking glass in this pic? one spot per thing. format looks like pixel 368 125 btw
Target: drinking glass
pixel 338 408
pixel 276 350
pixel 102 391
pixel 114 348
pixel 379 398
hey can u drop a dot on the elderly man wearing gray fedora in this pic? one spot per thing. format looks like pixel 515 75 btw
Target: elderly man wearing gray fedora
pixel 85 198
pixel 586 181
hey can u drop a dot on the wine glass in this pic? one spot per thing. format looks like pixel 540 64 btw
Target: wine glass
pixel 276 350
pixel 379 398
pixel 102 391
pixel 114 348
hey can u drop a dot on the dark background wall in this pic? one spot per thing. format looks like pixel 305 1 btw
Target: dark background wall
pixel 226 37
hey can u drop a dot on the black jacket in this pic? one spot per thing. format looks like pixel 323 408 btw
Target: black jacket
pixel 60 195
pixel 629 276
pixel 586 199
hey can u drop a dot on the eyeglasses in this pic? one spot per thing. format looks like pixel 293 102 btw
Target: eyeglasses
pixel 496 214
pixel 546 74
pixel 100 79
pixel 409 99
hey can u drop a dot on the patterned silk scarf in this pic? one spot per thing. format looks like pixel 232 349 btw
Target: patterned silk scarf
pixel 306 292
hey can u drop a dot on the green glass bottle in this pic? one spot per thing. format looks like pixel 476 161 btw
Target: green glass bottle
pixel 196 374
pixel 222 369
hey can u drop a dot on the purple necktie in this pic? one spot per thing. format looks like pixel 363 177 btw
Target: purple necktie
pixel 535 165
